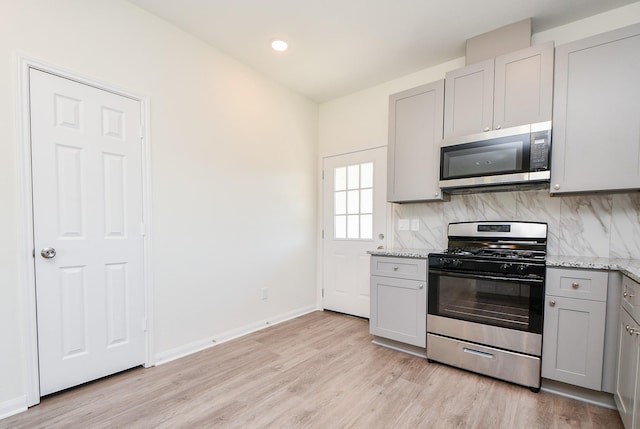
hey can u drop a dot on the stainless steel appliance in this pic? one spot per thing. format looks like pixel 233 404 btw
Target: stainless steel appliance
pixel 499 158
pixel 485 300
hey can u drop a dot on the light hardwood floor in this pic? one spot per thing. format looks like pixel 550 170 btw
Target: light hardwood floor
pixel 317 371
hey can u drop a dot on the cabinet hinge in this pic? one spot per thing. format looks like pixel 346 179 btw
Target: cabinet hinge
pixel 141 134
pixel 323 234
pixel 322 174
pixel 323 292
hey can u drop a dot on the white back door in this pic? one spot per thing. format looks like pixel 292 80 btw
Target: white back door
pixel 355 221
pixel 87 203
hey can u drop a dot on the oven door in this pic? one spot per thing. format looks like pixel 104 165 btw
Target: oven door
pixel 494 300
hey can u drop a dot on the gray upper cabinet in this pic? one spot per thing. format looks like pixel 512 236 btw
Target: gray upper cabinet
pixel 523 91
pixel 468 98
pixel 415 134
pixel 596 116
pixel 512 89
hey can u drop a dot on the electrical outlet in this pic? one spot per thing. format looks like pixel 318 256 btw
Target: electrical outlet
pixel 265 293
pixel 415 224
pixel 403 224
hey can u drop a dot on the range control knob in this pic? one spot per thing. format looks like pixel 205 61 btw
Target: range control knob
pixel 444 262
pixel 457 262
pixel 522 268
pixel 505 267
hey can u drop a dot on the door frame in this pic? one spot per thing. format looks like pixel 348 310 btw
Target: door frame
pixel 321 226
pixel 26 230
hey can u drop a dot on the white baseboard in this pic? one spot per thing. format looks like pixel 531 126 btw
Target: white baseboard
pixel 187 349
pixel 13 406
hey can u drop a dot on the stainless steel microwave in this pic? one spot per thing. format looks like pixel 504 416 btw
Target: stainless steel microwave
pixel 510 156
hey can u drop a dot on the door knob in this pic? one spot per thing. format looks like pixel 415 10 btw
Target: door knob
pixel 552 303
pixel 48 252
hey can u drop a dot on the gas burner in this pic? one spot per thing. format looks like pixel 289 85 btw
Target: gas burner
pixel 494 253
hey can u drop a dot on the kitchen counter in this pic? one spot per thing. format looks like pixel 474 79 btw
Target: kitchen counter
pixel 404 253
pixel 629 267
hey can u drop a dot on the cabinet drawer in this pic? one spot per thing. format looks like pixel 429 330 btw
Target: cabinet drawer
pixel 401 268
pixel 582 284
pixel 630 297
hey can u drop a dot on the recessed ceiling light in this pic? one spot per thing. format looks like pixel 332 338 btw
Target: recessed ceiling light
pixel 279 45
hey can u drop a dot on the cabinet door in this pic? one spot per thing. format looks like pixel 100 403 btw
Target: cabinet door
pixel 415 134
pixel 399 310
pixel 627 369
pixel 468 100
pixel 573 345
pixel 523 87
pixel 596 134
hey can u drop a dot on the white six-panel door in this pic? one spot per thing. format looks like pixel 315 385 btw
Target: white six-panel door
pixel 87 203
pixel 354 221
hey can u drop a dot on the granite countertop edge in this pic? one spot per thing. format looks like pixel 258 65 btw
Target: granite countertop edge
pixel 629 267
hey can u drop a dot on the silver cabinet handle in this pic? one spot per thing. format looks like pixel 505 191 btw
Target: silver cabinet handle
pixel 575 285
pixel 497 127
pixel 421 286
pixel 486 129
pixel 627 294
pixel 552 303
pixel 556 186
pixel 48 252
pixel 395 268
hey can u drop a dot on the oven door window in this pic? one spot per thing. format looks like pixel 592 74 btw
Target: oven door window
pixel 499 156
pixel 505 303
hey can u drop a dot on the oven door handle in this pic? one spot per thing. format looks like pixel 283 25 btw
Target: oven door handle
pixel 487 277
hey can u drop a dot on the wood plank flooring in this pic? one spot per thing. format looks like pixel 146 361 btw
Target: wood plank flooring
pixel 316 371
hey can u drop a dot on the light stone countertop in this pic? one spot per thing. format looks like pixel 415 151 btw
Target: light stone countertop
pixel 629 267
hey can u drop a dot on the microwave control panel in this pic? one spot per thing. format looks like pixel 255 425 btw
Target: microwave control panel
pixel 540 145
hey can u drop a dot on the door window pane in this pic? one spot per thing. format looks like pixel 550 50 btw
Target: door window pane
pixel 353 181
pixel 353 202
pixel 341 203
pixel 366 175
pixel 366 201
pixel 340 181
pixel 353 226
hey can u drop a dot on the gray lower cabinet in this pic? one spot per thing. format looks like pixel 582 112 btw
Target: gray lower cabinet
pixel 626 394
pixel 399 299
pixel 627 376
pixel 574 326
pixel 595 113
pixel 415 134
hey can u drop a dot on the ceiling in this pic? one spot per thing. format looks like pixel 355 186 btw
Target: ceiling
pixel 337 47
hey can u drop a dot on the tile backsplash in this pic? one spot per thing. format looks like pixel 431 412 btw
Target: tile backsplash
pixel 600 225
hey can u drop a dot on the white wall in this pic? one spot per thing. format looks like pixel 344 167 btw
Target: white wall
pixel 233 162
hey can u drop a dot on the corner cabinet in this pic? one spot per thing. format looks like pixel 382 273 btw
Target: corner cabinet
pixel 627 396
pixel 415 134
pixel 399 299
pixel 596 134
pixel 574 326
pixel 512 89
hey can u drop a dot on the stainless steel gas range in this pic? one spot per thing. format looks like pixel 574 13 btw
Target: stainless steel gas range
pixel 485 302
